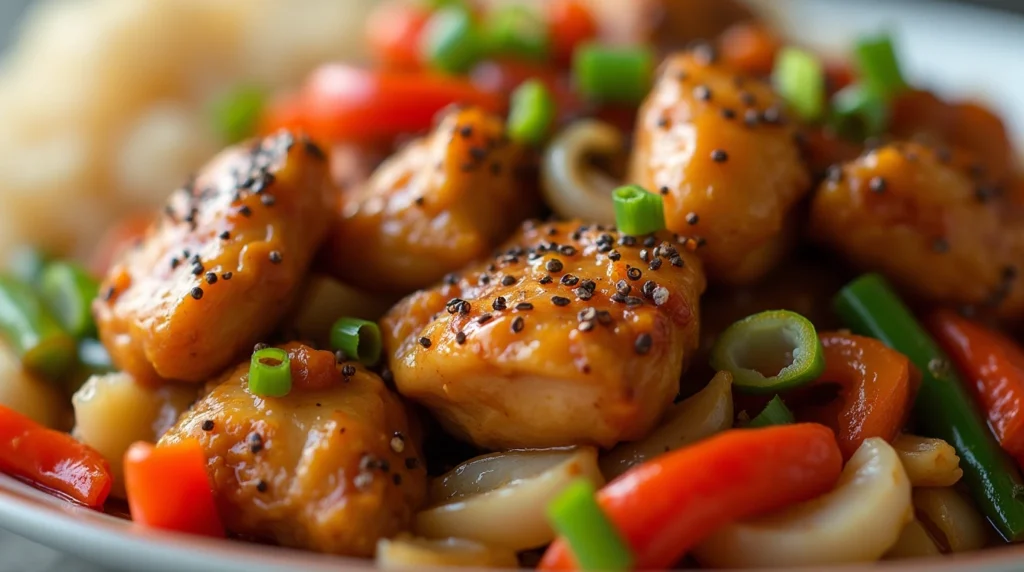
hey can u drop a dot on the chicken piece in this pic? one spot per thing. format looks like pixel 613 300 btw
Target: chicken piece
pixel 940 234
pixel 716 146
pixel 668 24
pixel 333 466
pixel 441 202
pixel 221 267
pixel 567 337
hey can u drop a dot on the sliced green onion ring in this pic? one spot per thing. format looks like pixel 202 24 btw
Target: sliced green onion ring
pixel 613 74
pixel 237 114
pixel 532 112
pixel 858 113
pixel 638 212
pixel 775 413
pixel 879 68
pixel 270 373
pixel 516 31
pixel 35 335
pixel 451 42
pixel 799 77
pixel 359 339
pixel 594 541
pixel 770 352
pixel 27 263
pixel 68 291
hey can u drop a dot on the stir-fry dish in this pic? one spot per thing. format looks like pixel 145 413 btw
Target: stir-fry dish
pixel 567 284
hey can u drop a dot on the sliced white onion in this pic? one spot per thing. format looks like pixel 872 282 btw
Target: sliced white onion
pixel 501 499
pixel 708 412
pixel 407 552
pixel 949 513
pixel 572 187
pixel 914 542
pixel 858 521
pixel 928 462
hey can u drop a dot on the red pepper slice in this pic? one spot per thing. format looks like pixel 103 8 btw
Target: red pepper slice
pixel 52 460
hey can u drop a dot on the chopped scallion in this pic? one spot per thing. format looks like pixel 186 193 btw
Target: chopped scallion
pixel 270 373
pixel 531 113
pixel 879 68
pixel 516 31
pixel 359 339
pixel 32 331
pixel 619 74
pixel 858 113
pixel 236 116
pixel 775 413
pixel 638 212
pixel 68 291
pixel 799 77
pixel 594 541
pixel 27 263
pixel 451 41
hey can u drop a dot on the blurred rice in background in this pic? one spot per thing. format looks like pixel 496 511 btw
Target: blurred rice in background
pixel 105 103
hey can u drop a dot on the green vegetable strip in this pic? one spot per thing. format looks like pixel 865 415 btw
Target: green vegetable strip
pixel 270 373
pixel 594 541
pixel 518 32
pixel 451 41
pixel 358 339
pixel 799 78
pixel 878 65
pixel 858 113
pixel 532 112
pixel 770 352
pixel 68 291
pixel 775 413
pixel 236 115
pixel 613 74
pixel 43 346
pixel 27 264
pixel 638 212
pixel 943 409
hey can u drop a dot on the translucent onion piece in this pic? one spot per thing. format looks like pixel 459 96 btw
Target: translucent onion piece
pixel 914 542
pixel 324 300
pixel 708 412
pixel 859 521
pixel 572 187
pixel 953 516
pixel 407 552
pixel 501 499
pixel 36 398
pixel 928 462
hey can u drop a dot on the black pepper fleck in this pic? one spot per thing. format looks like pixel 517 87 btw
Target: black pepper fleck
pixel 719 156
pixel 508 280
pixel 275 256
pixel 425 342
pixel 197 293
pixel 554 265
pixel 524 306
pixel 560 301
pixel 643 344
pixel 208 425
pixel 692 218
pixel 877 184
pixel 517 324
pixel 499 303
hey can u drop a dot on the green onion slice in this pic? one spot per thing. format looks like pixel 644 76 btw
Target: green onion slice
pixel 236 115
pixel 31 330
pixel 359 339
pixel 638 212
pixel 858 113
pixel 270 373
pixel 613 74
pixel 594 541
pixel 68 291
pixel 27 263
pixel 879 68
pixel 775 413
pixel 532 112
pixel 516 31
pixel 451 42
pixel 770 352
pixel 799 77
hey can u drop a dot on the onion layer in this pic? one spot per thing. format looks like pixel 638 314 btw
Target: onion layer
pixel 407 552
pixel 572 186
pixel 928 462
pixel 953 516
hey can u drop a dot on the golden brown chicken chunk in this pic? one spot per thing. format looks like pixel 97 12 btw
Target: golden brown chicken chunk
pixel 717 146
pixel 220 268
pixel 333 466
pixel 440 203
pixel 571 335
pixel 940 234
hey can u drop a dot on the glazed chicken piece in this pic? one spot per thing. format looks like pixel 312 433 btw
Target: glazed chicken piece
pixel 333 466
pixel 940 233
pixel 668 24
pixel 220 268
pixel 438 204
pixel 572 335
pixel 717 146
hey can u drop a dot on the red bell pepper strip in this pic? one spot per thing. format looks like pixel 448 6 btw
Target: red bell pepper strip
pixel 393 33
pixel 993 365
pixel 877 386
pixel 570 23
pixel 168 488
pixel 52 460
pixel 750 47
pixel 345 103
pixel 665 506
